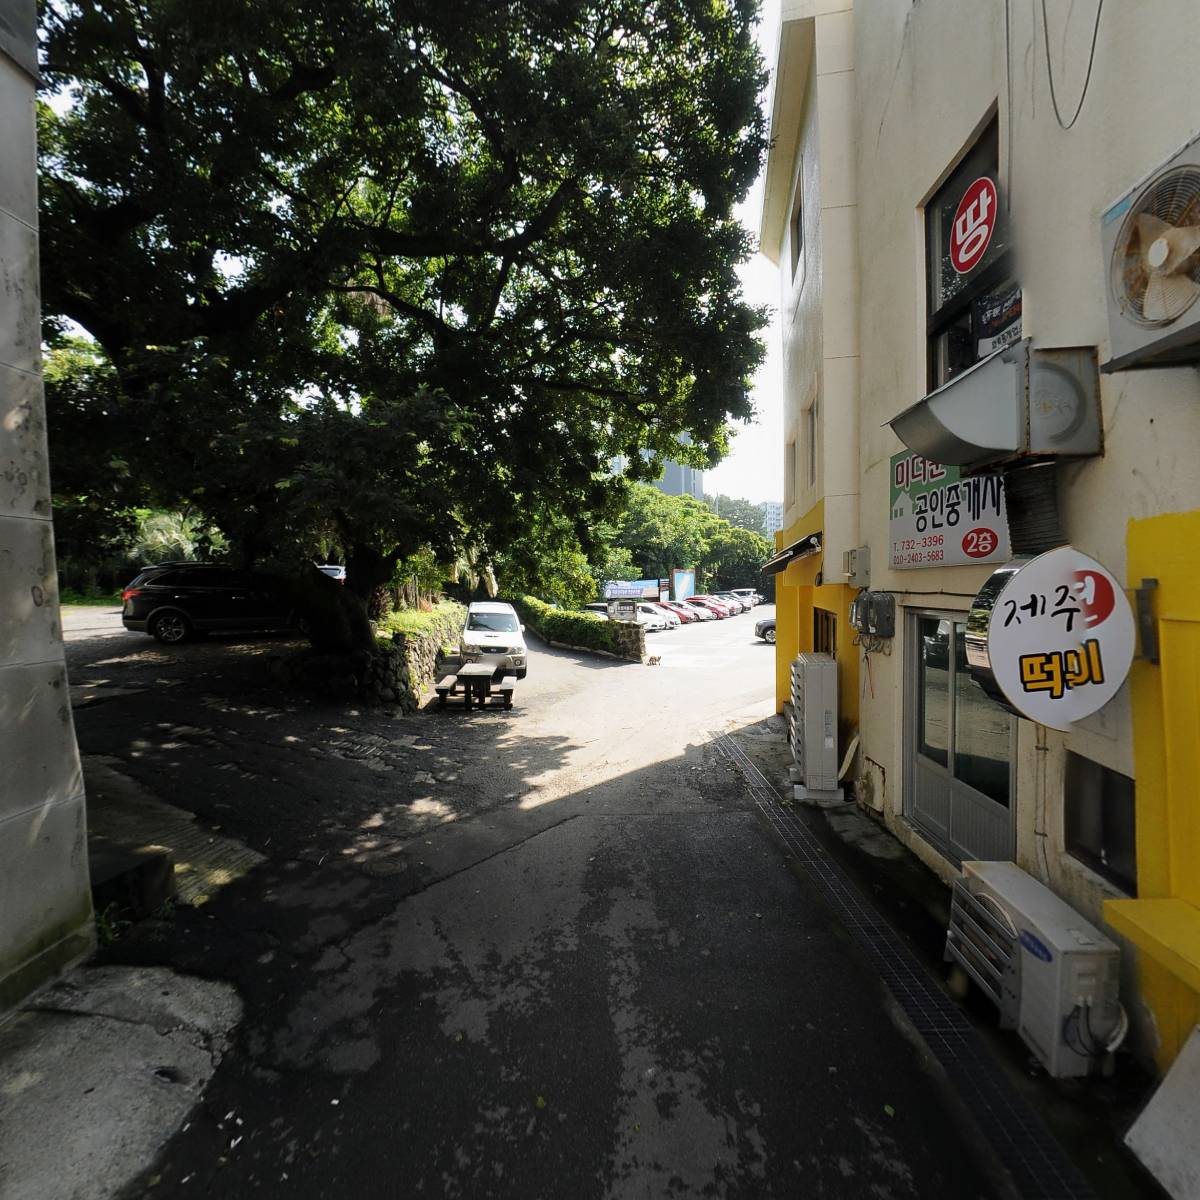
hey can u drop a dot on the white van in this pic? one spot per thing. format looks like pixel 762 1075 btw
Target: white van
pixel 493 634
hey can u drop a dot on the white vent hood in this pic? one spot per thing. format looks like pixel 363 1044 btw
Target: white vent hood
pixel 1017 403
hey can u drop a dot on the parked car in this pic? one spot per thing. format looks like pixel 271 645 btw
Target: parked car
pixel 682 611
pixel 765 629
pixel 719 607
pixel 735 602
pixel 673 619
pixel 333 571
pixel 176 601
pixel 748 594
pixel 701 611
pixel 493 634
pixel 651 616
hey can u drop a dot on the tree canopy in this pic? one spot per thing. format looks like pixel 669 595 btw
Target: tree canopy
pixel 737 511
pixel 661 532
pixel 409 271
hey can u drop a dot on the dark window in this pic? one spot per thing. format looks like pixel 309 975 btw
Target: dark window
pixel 824 632
pixel 217 577
pixel 1099 818
pixel 796 228
pixel 166 579
pixel 974 302
pixel 507 623
pixel 958 726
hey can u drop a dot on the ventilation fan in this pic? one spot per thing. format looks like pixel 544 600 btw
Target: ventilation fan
pixel 1152 240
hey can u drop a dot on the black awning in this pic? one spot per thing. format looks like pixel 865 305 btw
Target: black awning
pixel 801 549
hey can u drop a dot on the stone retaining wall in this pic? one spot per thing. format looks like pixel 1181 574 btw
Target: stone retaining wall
pixel 397 673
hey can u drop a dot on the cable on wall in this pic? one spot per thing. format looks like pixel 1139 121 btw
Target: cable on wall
pixel 1050 69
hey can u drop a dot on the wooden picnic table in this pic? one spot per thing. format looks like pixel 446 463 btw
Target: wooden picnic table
pixel 476 682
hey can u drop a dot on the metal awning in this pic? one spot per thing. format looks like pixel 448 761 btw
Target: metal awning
pixel 976 418
pixel 801 549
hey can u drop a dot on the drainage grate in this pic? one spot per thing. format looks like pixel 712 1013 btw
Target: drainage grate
pixel 1035 1161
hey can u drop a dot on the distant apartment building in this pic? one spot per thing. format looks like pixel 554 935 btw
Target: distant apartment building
pixel 772 511
pixel 676 478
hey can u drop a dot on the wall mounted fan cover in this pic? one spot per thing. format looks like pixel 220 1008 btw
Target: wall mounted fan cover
pixel 1155 264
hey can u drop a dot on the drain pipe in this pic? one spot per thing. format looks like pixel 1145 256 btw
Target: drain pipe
pixel 1031 503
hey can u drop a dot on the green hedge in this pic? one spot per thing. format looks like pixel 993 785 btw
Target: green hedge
pixel 445 622
pixel 585 629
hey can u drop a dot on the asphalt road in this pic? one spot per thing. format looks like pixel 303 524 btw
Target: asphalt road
pixel 540 953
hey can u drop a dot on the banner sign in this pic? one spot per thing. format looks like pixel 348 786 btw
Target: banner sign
pixel 683 584
pixel 638 589
pixel 1059 636
pixel 941 520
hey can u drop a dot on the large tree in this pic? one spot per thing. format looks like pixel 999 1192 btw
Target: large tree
pixel 737 512
pixel 462 254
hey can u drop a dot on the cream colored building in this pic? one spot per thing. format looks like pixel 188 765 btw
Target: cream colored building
pixel 45 901
pixel 884 116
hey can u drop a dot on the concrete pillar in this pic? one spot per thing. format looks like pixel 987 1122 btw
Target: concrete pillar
pixel 45 901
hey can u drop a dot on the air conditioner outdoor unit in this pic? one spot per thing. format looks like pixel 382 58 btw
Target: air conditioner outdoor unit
pixel 812 727
pixel 1151 237
pixel 1067 1009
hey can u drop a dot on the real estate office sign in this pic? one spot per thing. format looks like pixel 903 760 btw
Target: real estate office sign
pixel 939 519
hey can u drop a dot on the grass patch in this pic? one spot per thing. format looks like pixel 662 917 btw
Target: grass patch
pixel 413 622
pixel 70 596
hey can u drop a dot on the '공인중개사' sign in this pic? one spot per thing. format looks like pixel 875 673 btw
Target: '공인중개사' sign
pixel 1054 634
pixel 940 520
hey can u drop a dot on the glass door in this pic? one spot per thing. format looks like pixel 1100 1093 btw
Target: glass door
pixel 958 747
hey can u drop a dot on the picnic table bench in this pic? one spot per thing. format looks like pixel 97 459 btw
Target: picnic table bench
pixel 475 680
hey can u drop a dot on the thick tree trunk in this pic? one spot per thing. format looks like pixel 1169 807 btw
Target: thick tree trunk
pixel 335 618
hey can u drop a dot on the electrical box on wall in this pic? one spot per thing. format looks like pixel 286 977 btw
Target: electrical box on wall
pixel 856 566
pixel 874 613
pixel 858 612
pixel 881 614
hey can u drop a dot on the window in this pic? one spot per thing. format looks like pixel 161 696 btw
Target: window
pixel 498 622
pixel 974 303
pixel 958 726
pixel 789 475
pixel 824 632
pixel 810 442
pixel 796 227
pixel 1099 818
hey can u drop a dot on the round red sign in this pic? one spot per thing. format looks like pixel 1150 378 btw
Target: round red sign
pixel 980 542
pixel 973 225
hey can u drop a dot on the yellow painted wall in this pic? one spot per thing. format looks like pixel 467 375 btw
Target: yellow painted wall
pixel 797 593
pixel 1164 922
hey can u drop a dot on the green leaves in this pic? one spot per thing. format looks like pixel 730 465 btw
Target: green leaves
pixel 395 276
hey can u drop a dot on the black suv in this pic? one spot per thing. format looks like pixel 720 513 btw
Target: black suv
pixel 175 601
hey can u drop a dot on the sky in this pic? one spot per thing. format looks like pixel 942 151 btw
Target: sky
pixel 754 468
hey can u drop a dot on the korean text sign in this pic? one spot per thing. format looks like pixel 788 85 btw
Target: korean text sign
pixel 1060 638
pixel 941 520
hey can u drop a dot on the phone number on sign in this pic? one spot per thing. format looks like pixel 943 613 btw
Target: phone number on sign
pixel 902 557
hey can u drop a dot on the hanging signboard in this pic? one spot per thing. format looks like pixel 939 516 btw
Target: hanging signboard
pixel 1051 636
pixel 941 520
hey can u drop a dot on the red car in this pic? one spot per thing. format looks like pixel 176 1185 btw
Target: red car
pixel 681 611
pixel 712 604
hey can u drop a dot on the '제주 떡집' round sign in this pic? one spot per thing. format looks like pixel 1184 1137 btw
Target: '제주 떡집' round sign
pixel 1051 636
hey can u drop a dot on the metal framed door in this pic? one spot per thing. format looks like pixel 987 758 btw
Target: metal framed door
pixel 958 746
